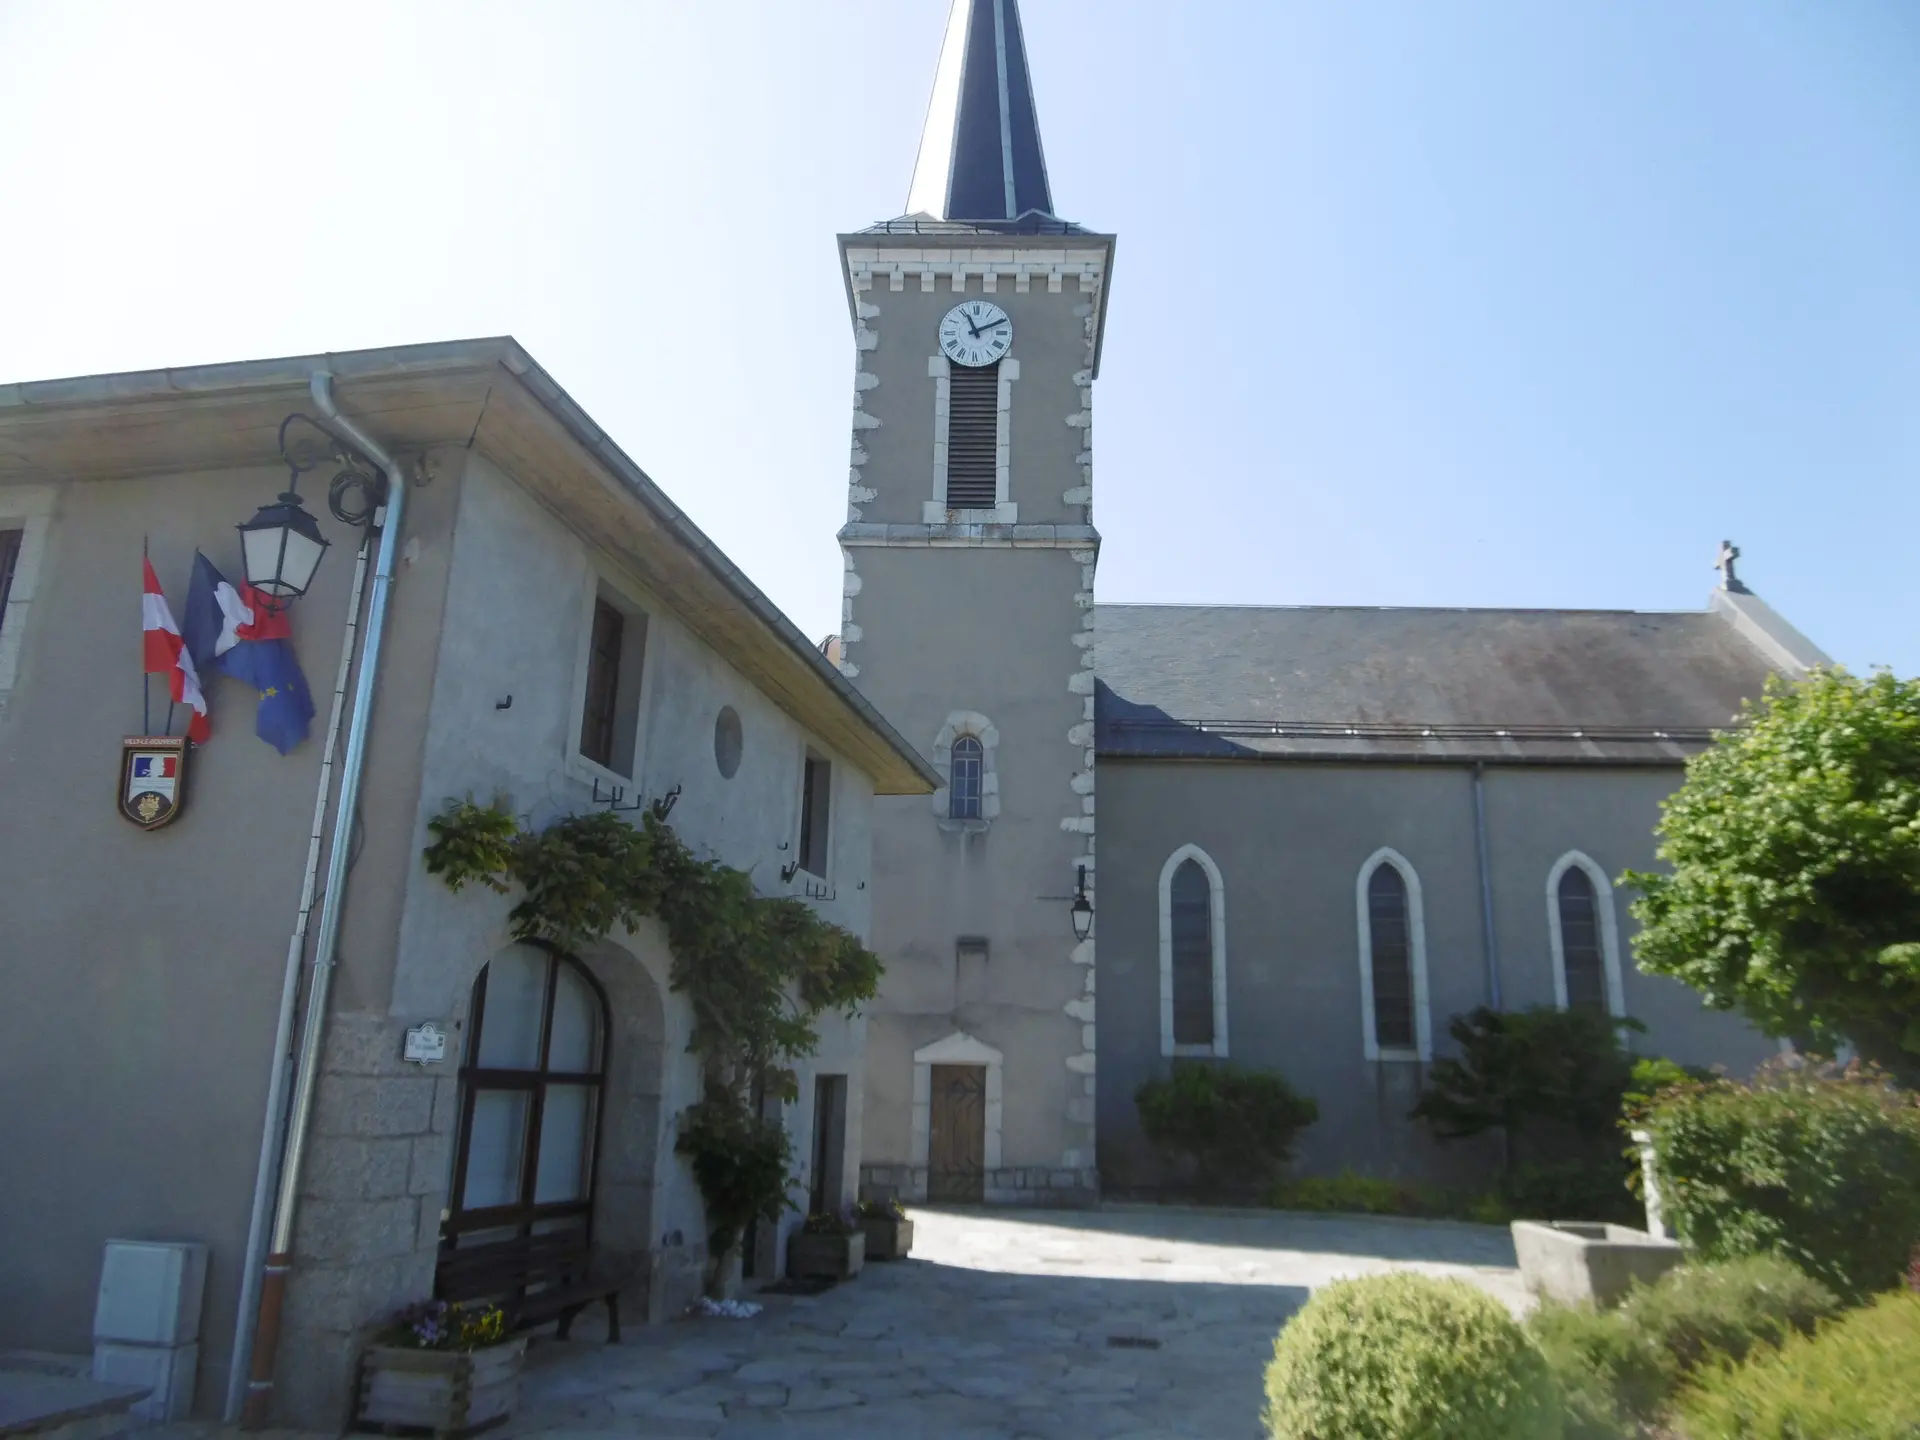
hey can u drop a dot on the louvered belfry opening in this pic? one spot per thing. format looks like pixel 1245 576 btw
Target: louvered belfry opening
pixel 973 434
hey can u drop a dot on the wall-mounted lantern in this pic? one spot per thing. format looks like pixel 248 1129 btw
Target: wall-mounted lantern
pixel 1082 910
pixel 282 546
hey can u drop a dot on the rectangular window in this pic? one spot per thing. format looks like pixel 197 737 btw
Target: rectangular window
pixel 829 1143
pixel 9 554
pixel 973 436
pixel 816 794
pixel 609 716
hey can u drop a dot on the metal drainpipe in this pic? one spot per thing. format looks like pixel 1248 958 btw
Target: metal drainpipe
pixel 1486 884
pixel 283 1030
pixel 273 1284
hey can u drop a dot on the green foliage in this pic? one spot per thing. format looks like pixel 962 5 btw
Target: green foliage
pixel 1654 1073
pixel 1237 1126
pixel 1347 1193
pixel 1726 1309
pixel 1795 852
pixel 1529 1069
pixel 1594 1188
pixel 740 1162
pixel 1817 1164
pixel 1408 1357
pixel 1351 1193
pixel 1620 1367
pixel 757 971
pixel 1857 1377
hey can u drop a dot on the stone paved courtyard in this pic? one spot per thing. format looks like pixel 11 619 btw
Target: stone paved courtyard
pixel 999 1327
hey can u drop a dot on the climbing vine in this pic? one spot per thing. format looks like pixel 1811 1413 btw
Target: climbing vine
pixel 758 971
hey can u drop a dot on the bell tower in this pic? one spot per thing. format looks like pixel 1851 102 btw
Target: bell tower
pixel 968 621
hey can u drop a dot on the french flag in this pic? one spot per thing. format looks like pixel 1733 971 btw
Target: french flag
pixel 166 654
pixel 230 627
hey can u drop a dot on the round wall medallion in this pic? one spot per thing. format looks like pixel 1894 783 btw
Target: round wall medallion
pixel 728 740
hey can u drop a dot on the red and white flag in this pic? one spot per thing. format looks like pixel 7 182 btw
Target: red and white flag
pixel 166 655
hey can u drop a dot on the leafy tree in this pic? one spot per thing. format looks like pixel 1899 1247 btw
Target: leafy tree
pixel 1530 1071
pixel 1795 885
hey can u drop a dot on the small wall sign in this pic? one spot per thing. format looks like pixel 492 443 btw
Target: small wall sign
pixel 426 1044
pixel 153 779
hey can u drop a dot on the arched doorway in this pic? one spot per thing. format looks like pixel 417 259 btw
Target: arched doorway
pixel 532 1092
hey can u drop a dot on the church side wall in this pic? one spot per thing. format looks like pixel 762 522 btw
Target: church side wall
pixel 1289 841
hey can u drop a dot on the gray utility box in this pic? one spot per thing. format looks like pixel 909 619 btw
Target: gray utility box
pixel 1573 1261
pixel 146 1322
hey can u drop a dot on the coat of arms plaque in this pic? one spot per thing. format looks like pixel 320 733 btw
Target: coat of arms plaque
pixel 153 778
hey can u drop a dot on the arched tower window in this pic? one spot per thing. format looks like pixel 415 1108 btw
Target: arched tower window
pixel 531 1085
pixel 1193 955
pixel 965 770
pixel 1393 960
pixel 1586 942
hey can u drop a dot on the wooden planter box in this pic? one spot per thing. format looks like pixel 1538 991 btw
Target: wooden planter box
pixel 836 1257
pixel 888 1239
pixel 450 1392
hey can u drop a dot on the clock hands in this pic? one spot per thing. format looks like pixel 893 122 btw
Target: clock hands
pixel 978 330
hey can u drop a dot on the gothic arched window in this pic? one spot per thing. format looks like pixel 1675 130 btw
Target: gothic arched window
pixel 1586 947
pixel 964 776
pixel 1393 960
pixel 1580 943
pixel 1193 961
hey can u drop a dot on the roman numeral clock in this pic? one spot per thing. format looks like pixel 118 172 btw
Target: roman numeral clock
pixel 976 333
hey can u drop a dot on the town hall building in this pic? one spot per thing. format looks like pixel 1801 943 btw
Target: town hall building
pixel 1323 831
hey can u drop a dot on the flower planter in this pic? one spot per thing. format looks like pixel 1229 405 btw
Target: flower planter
pixel 1571 1261
pixel 450 1392
pixel 888 1239
pixel 835 1257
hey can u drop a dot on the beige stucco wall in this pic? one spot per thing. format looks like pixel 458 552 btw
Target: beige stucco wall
pixel 519 594
pixel 142 971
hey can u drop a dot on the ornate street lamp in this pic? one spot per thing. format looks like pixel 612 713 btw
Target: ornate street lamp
pixel 282 547
pixel 1082 910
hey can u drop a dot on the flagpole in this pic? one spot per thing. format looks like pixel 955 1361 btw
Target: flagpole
pixel 146 680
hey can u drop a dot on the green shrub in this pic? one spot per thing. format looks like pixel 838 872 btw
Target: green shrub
pixel 1858 1377
pixel 1618 1367
pixel 1818 1164
pixel 1236 1126
pixel 1349 1193
pixel 1726 1309
pixel 1408 1357
pixel 1540 1070
pixel 1608 1375
pixel 1592 1189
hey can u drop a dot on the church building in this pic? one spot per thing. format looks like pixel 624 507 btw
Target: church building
pixel 1325 830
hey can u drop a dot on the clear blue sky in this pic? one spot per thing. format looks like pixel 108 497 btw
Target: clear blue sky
pixel 1416 303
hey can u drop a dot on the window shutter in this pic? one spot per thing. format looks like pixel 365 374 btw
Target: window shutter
pixel 973 436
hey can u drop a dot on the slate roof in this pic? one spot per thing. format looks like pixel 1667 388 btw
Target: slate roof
pixel 980 156
pixel 1319 682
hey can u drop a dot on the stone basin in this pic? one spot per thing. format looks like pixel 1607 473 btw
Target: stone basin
pixel 1571 1260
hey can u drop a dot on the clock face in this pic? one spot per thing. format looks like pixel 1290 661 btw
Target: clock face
pixel 976 332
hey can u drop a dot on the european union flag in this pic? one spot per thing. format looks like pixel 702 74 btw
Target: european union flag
pixel 286 706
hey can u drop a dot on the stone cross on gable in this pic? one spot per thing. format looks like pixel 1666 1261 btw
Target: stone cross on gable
pixel 1729 552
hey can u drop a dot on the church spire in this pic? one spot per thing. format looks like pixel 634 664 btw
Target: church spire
pixel 980 156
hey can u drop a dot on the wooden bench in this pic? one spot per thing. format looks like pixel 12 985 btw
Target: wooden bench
pixel 534 1279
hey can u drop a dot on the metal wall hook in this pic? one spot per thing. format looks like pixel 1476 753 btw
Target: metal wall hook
pixel 506 704
pixel 615 794
pixel 788 870
pixel 663 806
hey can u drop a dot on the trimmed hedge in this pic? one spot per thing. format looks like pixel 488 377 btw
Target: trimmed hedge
pixel 1857 1377
pixel 1814 1163
pixel 1619 1367
pixel 1408 1357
